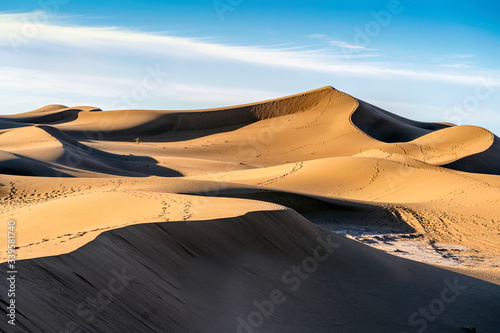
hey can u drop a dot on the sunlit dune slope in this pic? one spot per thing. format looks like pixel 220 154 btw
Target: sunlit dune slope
pixel 440 180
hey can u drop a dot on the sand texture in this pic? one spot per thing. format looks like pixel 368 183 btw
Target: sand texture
pixel 208 211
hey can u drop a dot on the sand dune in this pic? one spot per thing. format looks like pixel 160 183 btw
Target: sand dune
pixel 203 276
pixel 446 145
pixel 204 208
pixel 387 127
pixel 53 113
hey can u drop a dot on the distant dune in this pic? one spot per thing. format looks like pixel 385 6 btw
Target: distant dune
pixel 209 211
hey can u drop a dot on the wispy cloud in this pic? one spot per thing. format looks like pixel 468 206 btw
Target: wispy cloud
pixel 346 45
pixel 318 36
pixel 43 81
pixel 461 56
pixel 210 94
pixel 459 65
pixel 107 90
pixel 340 44
pixel 118 40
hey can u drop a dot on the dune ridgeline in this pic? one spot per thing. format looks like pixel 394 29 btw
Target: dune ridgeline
pixel 221 220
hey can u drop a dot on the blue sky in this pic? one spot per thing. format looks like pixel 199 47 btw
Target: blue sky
pixel 425 60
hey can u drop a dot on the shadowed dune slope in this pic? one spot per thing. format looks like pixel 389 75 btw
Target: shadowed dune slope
pixel 446 145
pixel 321 143
pixel 203 276
pixel 51 114
pixel 129 123
pixel 477 147
pixel 203 207
pixel 486 162
pixel 388 127
pixel 56 154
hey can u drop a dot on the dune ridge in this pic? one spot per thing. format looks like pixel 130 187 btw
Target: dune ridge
pixel 235 193
pixel 317 161
pixel 175 275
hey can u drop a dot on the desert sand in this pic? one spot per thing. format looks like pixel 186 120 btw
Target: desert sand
pixel 210 212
